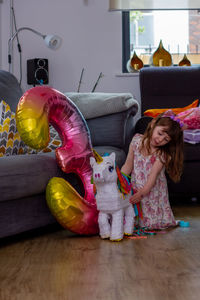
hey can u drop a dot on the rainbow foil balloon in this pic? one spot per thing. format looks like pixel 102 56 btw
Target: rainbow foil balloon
pixel 39 107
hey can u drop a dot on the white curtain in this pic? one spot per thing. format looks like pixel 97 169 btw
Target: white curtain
pixel 153 4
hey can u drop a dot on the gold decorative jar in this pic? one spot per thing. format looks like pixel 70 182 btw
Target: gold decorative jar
pixel 134 64
pixel 161 57
pixel 185 62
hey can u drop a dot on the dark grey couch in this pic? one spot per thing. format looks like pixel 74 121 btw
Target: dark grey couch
pixel 168 87
pixel 23 178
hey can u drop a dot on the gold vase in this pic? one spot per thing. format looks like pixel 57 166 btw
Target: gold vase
pixel 185 62
pixel 136 63
pixel 161 57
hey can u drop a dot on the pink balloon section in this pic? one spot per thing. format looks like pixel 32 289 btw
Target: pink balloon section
pixel 74 154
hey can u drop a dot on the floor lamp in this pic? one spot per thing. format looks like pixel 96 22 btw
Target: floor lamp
pixel 52 41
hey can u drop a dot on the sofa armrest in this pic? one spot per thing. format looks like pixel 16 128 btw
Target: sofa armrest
pixel 10 90
pixel 110 117
pixel 114 130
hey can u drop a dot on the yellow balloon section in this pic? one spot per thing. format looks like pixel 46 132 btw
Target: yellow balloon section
pixel 39 107
pixel 32 122
pixel 66 204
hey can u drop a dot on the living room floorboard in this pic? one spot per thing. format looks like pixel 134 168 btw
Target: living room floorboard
pixel 59 265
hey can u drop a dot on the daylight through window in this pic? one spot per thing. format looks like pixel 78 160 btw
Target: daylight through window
pixel 178 30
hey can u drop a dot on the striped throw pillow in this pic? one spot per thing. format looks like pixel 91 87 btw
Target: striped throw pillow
pixel 10 141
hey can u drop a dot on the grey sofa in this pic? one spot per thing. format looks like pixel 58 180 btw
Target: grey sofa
pixel 23 178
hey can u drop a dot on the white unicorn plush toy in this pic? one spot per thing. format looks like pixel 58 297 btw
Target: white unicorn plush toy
pixel 116 213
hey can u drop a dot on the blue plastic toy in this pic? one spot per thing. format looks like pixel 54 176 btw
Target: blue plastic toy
pixel 184 224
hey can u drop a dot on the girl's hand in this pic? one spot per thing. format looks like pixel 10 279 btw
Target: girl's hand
pixel 136 198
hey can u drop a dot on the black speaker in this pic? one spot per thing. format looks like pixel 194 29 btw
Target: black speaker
pixel 37 71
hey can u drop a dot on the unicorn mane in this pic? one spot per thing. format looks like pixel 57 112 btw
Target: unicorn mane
pixel 124 184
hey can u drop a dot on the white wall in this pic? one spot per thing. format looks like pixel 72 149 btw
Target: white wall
pixel 91 39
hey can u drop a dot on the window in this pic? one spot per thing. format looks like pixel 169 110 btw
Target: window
pixel 179 31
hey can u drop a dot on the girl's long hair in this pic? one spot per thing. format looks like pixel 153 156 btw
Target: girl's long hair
pixel 173 150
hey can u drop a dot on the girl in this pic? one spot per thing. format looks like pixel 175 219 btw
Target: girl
pixel 159 149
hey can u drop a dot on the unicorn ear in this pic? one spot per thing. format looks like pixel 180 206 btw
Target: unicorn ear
pixel 92 161
pixel 112 156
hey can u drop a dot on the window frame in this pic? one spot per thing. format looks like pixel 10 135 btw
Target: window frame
pixel 125 40
pixel 126 50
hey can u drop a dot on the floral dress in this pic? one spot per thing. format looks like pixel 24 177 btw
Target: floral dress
pixel 157 213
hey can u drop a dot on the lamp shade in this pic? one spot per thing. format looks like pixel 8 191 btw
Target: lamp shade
pixel 154 5
pixel 52 41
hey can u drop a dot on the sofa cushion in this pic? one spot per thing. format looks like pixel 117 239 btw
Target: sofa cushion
pixel 26 175
pixel 10 140
pixel 9 137
pixel 94 105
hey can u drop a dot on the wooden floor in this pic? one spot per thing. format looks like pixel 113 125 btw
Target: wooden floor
pixel 58 265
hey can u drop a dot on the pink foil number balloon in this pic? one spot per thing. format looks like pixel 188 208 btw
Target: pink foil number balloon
pixel 37 108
